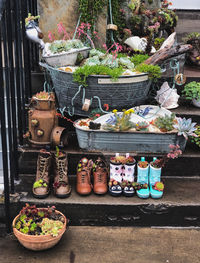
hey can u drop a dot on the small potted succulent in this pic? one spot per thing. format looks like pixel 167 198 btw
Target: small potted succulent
pixel 166 123
pixel 43 100
pixel 191 91
pixel 142 126
pixel 193 56
pixel 143 178
pixel 39 228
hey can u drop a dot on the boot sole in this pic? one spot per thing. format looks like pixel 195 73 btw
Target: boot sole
pixel 63 196
pixel 40 196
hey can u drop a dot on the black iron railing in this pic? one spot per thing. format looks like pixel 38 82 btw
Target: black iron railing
pixel 17 58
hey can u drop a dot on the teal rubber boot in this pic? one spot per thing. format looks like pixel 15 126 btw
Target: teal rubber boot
pixel 155 177
pixel 143 178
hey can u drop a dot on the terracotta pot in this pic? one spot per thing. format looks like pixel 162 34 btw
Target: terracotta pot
pixel 37 243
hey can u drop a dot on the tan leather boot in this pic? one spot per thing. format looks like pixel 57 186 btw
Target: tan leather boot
pixel 83 182
pixel 41 185
pixel 61 185
pixel 100 174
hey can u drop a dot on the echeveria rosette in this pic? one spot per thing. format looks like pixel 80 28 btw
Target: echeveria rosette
pixel 185 127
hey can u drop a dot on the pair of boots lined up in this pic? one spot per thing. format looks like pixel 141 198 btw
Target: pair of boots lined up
pixel 94 176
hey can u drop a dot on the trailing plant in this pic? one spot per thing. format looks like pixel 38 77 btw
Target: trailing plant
pixel 138 59
pixel 153 71
pixel 31 219
pixel 185 127
pixel 80 75
pixel 196 137
pixel 192 90
pixel 165 123
pixel 90 10
pixel 174 153
pixel 122 123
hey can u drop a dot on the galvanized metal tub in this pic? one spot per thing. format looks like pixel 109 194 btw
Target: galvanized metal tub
pixel 65 58
pixel 141 142
pixel 126 92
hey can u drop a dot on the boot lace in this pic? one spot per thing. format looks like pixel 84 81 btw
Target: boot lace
pixel 61 170
pixel 43 162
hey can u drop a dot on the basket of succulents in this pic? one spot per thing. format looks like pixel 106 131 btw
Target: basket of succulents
pixel 191 92
pixel 39 228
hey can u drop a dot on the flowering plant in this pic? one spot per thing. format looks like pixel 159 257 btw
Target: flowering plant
pixel 174 153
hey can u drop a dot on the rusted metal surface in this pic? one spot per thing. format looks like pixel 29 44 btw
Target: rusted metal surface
pixel 66 11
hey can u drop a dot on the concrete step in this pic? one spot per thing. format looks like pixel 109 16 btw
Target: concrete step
pixel 180 205
pixel 113 245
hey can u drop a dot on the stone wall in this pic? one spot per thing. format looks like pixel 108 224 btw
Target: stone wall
pixel 66 11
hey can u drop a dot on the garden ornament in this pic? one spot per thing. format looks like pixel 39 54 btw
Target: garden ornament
pixel 137 43
pixel 167 96
pixel 34 33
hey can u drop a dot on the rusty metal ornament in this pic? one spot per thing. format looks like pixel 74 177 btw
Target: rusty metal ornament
pixel 57 137
pixel 180 79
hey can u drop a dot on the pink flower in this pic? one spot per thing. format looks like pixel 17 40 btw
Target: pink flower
pixel 51 36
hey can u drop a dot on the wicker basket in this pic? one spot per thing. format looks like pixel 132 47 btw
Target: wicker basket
pixel 127 92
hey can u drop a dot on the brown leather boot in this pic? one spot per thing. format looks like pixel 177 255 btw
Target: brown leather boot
pixel 100 174
pixel 61 185
pixel 41 185
pixel 83 183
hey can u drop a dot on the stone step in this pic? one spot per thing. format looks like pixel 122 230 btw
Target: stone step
pixel 186 165
pixel 180 205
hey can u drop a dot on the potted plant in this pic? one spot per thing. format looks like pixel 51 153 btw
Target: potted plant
pixel 39 228
pixel 166 123
pixel 142 178
pixel 191 91
pixel 193 56
pixel 196 137
pixel 155 184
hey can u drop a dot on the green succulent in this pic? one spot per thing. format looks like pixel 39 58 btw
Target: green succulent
pixel 165 123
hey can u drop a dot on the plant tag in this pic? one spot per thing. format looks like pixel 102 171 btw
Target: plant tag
pixel 86 105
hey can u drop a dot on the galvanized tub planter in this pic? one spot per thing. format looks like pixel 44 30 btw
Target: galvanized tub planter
pixel 126 92
pixel 65 58
pixel 139 142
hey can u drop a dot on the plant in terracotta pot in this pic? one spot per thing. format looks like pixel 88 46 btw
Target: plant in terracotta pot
pixel 39 228
pixel 191 91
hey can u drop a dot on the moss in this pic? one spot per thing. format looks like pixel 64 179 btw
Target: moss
pixel 81 74
pixel 138 59
pixel 154 71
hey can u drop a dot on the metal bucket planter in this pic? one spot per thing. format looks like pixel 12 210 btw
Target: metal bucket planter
pixel 141 142
pixel 126 92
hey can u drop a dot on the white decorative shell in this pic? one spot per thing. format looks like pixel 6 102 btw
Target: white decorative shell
pixel 167 96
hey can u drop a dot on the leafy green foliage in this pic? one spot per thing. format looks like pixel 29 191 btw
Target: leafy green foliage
pixel 138 59
pixel 192 90
pixel 158 42
pixel 196 139
pixel 165 123
pixel 191 36
pixel 154 71
pixel 81 74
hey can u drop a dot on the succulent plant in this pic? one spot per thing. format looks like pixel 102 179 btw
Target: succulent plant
pixel 196 139
pixel 49 226
pixel 142 126
pixel 165 123
pixel 143 164
pixel 185 127
pixel 159 186
pixel 43 95
pixel 122 123
pixel 192 90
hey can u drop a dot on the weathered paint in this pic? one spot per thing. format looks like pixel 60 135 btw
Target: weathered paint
pixel 66 11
